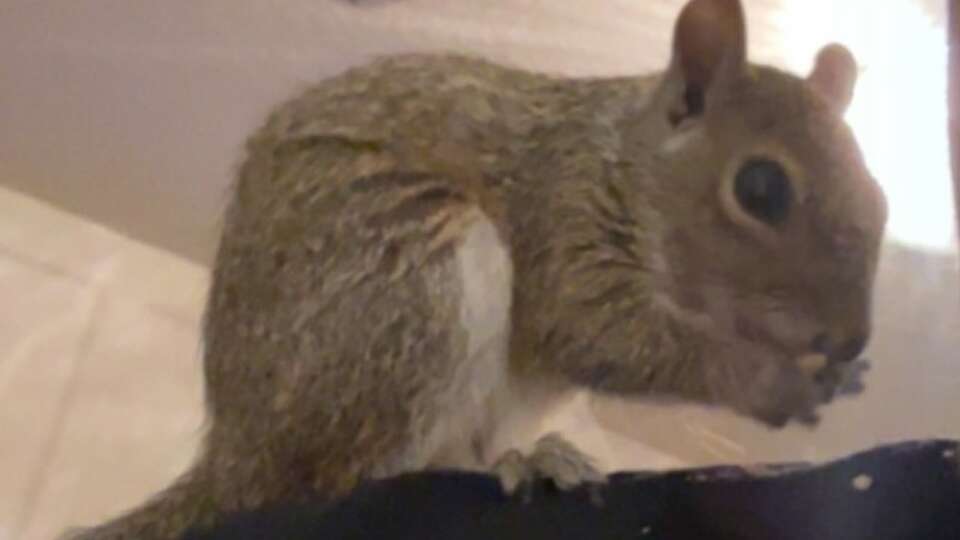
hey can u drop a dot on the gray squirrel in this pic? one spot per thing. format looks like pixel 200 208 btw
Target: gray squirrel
pixel 425 253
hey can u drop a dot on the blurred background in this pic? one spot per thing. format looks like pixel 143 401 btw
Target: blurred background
pixel 120 126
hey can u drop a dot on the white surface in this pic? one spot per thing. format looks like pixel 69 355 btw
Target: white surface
pixel 100 389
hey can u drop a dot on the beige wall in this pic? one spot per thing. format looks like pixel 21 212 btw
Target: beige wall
pixel 133 113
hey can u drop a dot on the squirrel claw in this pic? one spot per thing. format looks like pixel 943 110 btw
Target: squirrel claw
pixel 553 458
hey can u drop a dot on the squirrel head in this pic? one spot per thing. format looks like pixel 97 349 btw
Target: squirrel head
pixel 771 223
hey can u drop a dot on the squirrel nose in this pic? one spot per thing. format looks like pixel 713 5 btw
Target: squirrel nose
pixel 844 351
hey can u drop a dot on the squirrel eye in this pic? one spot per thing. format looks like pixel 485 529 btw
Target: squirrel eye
pixel 763 190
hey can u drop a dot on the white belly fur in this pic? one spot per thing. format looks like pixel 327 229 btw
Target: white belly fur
pixel 489 411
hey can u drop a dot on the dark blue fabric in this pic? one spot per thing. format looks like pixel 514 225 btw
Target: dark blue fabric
pixel 914 493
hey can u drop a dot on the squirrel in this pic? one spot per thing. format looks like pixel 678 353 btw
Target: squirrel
pixel 426 252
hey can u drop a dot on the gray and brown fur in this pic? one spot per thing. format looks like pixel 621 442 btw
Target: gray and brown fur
pixel 425 248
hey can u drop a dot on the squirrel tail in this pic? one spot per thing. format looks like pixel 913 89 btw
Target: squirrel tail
pixel 183 506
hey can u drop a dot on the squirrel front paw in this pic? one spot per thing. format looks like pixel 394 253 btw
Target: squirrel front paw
pixel 785 391
pixel 842 378
pixel 554 459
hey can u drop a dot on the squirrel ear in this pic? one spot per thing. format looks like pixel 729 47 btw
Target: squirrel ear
pixel 834 75
pixel 709 44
